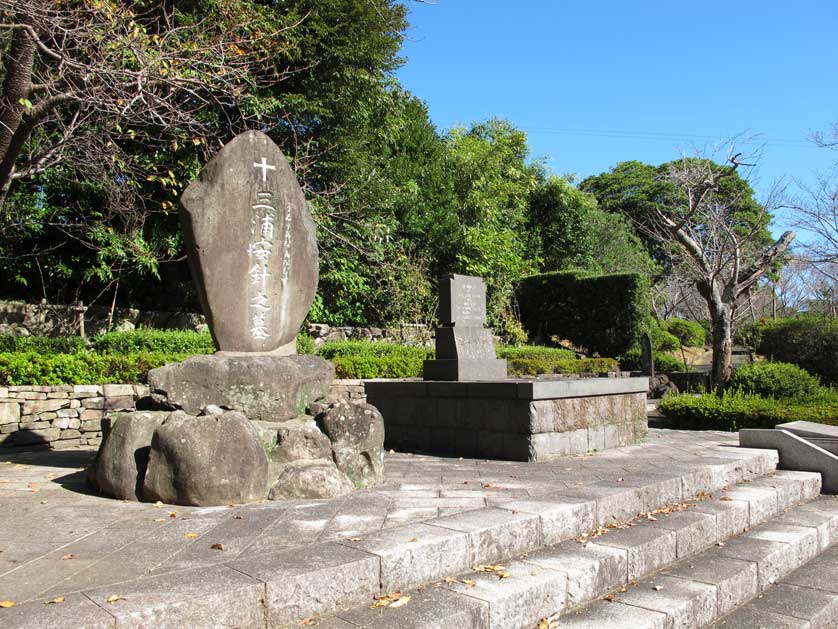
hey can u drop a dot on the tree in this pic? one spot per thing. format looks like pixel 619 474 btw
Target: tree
pixel 704 218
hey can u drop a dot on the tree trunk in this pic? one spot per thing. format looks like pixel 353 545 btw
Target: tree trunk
pixel 722 320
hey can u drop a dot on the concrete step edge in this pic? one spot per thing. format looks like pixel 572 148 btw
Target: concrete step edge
pixel 700 590
pixel 550 577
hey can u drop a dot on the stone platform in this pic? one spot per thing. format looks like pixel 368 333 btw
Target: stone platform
pixel 118 564
pixel 513 419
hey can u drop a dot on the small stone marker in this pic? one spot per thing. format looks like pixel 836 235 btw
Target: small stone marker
pixel 252 246
pixel 464 347
pixel 647 359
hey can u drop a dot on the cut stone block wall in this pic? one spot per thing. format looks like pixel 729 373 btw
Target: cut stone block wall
pixel 521 420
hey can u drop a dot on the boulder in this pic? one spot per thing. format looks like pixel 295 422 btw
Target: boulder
pixel 264 387
pixel 356 431
pixel 312 479
pixel 206 461
pixel 120 465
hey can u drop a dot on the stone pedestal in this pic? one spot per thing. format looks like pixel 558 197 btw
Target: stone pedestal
pixel 515 419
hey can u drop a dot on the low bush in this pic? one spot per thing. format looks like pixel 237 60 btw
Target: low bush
pixel 662 340
pixel 734 410
pixel 775 380
pixel 538 366
pixel 688 333
pixel 534 351
pixel 339 349
pixel 80 368
pixel 42 344
pixel 809 342
pixel 664 363
pixel 364 366
pixel 150 340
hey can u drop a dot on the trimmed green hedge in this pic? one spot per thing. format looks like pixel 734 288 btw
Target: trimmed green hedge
pixel 809 342
pixel 607 314
pixel 537 366
pixel 776 380
pixel 80 368
pixel 734 410
pixel 42 344
pixel 688 333
pixel 534 351
pixel 150 340
pixel 338 349
pixel 664 363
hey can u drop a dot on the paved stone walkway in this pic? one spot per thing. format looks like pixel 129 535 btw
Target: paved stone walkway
pixel 57 538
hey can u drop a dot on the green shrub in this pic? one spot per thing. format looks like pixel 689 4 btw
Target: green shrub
pixel 734 410
pixel 305 344
pixel 688 333
pixel 662 341
pixel 535 351
pixel 80 368
pixel 538 366
pixel 808 342
pixel 150 340
pixel 365 366
pixel 606 314
pixel 776 380
pixel 42 344
pixel 664 363
pixel 337 349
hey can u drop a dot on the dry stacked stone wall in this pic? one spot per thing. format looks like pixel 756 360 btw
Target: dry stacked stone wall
pixel 61 416
pixel 66 416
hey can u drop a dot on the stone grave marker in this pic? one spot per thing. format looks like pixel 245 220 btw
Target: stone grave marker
pixel 252 246
pixel 464 347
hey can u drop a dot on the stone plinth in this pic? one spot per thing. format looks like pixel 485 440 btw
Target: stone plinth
pixel 516 419
pixel 264 387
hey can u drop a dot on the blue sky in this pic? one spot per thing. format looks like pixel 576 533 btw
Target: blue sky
pixel 596 83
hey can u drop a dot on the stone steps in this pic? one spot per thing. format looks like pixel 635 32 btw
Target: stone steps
pixel 806 598
pixel 696 591
pixel 283 588
pixel 564 577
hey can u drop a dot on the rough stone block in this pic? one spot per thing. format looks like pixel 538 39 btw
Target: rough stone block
pixel 562 518
pixel 731 516
pixel 313 580
pixel 803 539
pixel 694 531
pixel 591 569
pixel 87 388
pixel 65 444
pixel 9 412
pixel 773 559
pixel 432 609
pixel 762 502
pixel 528 594
pixel 34 437
pixel 34 425
pixel 85 614
pixel 57 395
pixel 109 403
pixel 70 434
pixel 91 425
pixel 648 549
pixel 607 614
pixel 416 554
pixel 614 503
pixel 735 580
pixel 817 607
pixel 118 390
pixel 207 597
pixel 686 603
pixel 494 534
pixel 67 412
pixel 34 407
pixel 89 414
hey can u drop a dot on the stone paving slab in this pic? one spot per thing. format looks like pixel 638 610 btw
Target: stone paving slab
pixel 46 514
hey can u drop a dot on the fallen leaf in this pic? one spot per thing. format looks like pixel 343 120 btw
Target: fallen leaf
pixel 413 539
pixel 217 546
pixel 3 480
pixel 115 597
pixel 68 556
pixel 610 598
pixel 392 451
pixel 172 514
pixel 469 583
pixel 726 498
pixel 404 600
pixel 58 599
pixel 450 579
pixel 160 520
pixel 491 568
pixel 503 575
pixel 6 604
pixel 355 539
pixel 191 535
pixel 307 622
pixel 657 588
pixel 386 600
pixel 158 504
pixel 720 543
pixel 238 517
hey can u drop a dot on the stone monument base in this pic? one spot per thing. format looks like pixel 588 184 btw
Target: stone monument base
pixel 227 429
pixel 265 387
pixel 464 369
pixel 514 419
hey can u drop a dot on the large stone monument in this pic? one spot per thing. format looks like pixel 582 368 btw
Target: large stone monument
pixel 239 425
pixel 464 346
